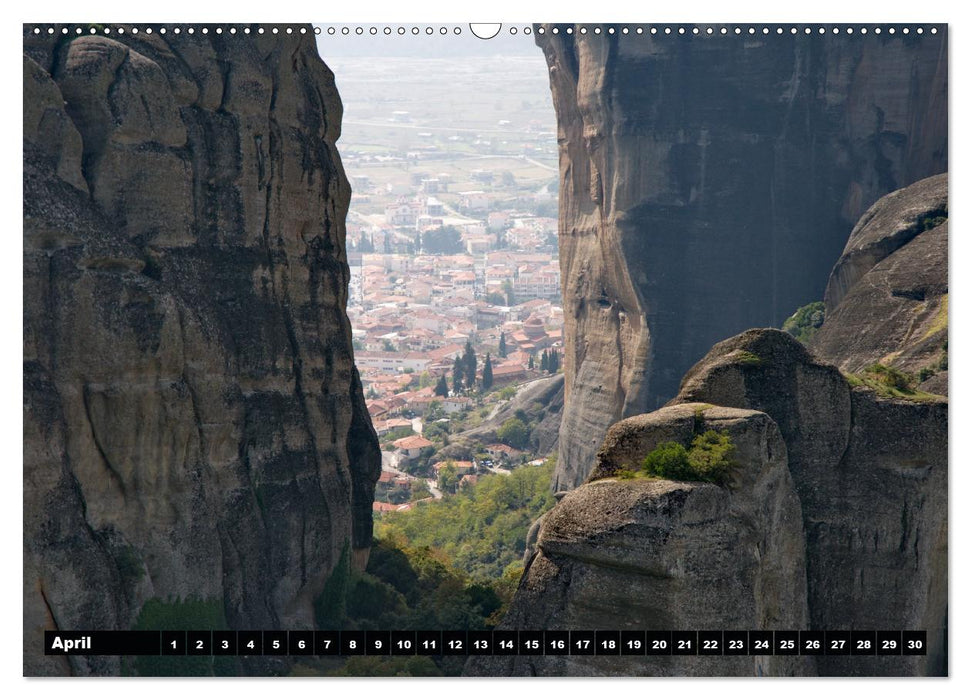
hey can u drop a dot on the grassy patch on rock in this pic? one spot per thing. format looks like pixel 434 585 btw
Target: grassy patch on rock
pixel 744 357
pixel 890 383
pixel 940 319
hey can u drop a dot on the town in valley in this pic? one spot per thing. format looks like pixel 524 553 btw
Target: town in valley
pixel 454 295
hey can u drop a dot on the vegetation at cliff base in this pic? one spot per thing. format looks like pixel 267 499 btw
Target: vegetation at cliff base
pixel 406 587
pixel 808 319
pixel 181 614
pixel 450 564
pixel 482 529
pixel 378 666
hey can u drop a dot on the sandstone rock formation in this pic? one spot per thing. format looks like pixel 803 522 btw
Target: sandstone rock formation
pixel 840 480
pixel 657 554
pixel 871 475
pixel 707 185
pixel 193 421
pixel 886 301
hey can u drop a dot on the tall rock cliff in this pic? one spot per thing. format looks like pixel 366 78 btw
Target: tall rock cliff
pixel 886 300
pixel 870 471
pixel 836 519
pixel 664 555
pixel 708 184
pixel 194 425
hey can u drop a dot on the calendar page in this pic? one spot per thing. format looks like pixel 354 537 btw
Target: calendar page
pixel 485 350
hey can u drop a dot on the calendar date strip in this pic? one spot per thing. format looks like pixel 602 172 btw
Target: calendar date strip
pixel 487 643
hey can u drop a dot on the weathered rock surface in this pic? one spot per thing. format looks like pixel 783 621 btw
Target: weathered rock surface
pixel 886 301
pixel 871 475
pixel 865 475
pixel 193 421
pixel 657 554
pixel 708 184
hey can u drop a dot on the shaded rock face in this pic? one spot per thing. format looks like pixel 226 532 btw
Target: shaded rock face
pixel 193 421
pixel 708 184
pixel 886 300
pixel 871 475
pixel 657 554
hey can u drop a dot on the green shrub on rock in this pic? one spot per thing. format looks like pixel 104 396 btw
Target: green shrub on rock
pixel 890 377
pixel 803 324
pixel 669 460
pixel 708 459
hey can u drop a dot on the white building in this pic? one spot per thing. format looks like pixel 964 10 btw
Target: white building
pixel 475 200
pixel 434 207
pixel 402 213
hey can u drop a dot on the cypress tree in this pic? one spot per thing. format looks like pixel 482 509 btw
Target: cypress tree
pixel 457 376
pixel 502 344
pixel 441 388
pixel 544 363
pixel 487 373
pixel 470 365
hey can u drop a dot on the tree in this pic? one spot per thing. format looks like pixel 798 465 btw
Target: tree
pixel 532 361
pixel 481 531
pixel 496 299
pixel 448 477
pixel 502 344
pixel 436 431
pixel 487 373
pixel 441 389
pixel 388 346
pixel 445 240
pixel 510 296
pixel 544 363
pixel 365 245
pixel 457 376
pixel 470 365
pixel 434 410
pixel 514 433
